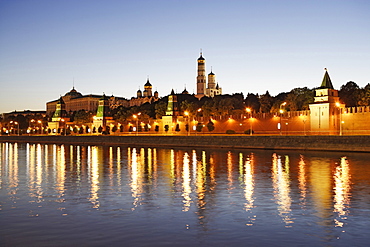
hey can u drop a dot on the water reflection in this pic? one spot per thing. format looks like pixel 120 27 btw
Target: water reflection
pixel 342 187
pixel 302 180
pixel 186 183
pixel 281 185
pixel 94 173
pixel 132 178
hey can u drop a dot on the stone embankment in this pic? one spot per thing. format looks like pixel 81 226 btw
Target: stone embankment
pixel 308 143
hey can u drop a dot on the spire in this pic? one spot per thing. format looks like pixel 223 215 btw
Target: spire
pixel 172 92
pixel 326 82
pixel 147 84
pixel 201 55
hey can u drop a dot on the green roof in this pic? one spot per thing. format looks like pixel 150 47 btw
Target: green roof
pixel 326 82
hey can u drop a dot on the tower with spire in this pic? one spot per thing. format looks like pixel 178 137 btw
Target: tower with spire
pixel 325 112
pixel 203 89
pixel 103 113
pixel 201 77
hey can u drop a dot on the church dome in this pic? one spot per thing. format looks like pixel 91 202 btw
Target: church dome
pixel 73 93
pixel 147 84
pixel 201 56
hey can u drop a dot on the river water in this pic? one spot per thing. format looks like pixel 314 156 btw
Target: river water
pixel 71 195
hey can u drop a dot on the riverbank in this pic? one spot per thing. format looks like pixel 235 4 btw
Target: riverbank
pixel 305 143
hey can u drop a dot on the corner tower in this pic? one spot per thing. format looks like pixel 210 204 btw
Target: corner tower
pixel 326 110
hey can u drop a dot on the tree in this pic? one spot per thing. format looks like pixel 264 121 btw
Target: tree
pixel 252 102
pixel 190 107
pixel 82 116
pixel 350 94
pixel 298 99
pixel 199 127
pixel 160 109
pixel 365 96
pixel 265 102
pixel 210 126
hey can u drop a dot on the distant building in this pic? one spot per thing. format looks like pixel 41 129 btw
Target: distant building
pixel 203 89
pixel 25 113
pixel 144 97
pixel 75 101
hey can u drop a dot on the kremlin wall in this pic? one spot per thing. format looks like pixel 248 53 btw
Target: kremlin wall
pixel 326 115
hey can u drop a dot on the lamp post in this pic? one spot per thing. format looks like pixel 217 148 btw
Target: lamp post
pixel 40 122
pixel 16 123
pixel 137 122
pixel 250 119
pixel 63 120
pixel 187 115
pixel 31 125
pixel 340 118
pixel 281 111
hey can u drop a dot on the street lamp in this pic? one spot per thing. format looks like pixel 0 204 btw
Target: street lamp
pixel 281 111
pixel 340 117
pixel 16 123
pixel 137 121
pixel 187 115
pixel 40 122
pixel 65 130
pixel 31 125
pixel 250 119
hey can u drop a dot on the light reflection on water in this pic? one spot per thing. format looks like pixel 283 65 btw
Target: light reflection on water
pixel 173 196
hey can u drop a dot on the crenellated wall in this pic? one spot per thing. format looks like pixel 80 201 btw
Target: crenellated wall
pixel 356 121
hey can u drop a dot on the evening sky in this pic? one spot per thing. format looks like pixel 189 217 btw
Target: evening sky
pixel 47 47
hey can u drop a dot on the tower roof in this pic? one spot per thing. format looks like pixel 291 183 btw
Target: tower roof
pixel 326 82
pixel 201 57
pixel 60 101
pixel 103 97
pixel 147 84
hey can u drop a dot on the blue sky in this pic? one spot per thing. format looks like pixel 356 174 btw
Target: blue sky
pixel 113 46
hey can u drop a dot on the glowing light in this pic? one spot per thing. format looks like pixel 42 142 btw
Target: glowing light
pixel 342 181
pixel 186 183
pixel 281 184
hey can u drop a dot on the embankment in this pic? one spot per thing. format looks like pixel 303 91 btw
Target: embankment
pixel 309 143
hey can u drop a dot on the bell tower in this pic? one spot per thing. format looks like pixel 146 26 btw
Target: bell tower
pixel 201 77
